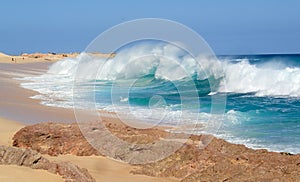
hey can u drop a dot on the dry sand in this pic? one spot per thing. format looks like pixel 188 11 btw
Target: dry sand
pixel 105 169
pixel 12 173
pixel 33 58
pixel 7 129
pixel 17 173
pixel 16 105
pixel 40 57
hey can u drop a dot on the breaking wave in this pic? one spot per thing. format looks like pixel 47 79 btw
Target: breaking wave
pixel 169 62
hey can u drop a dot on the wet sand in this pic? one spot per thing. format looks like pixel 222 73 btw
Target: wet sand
pixel 16 103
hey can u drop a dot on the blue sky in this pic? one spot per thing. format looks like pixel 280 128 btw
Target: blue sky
pixel 229 26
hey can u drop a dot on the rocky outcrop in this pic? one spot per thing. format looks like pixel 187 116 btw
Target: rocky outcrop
pixel 223 161
pixel 218 161
pixel 54 139
pixel 131 145
pixel 34 160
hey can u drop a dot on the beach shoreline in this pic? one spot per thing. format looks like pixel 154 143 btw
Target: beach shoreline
pixel 16 99
pixel 20 111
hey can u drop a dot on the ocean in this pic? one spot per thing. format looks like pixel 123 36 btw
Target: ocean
pixel 246 99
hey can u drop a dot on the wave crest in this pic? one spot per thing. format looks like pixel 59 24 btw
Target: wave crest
pixel 243 77
pixel 170 62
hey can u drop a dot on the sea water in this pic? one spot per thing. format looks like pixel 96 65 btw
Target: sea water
pixel 162 84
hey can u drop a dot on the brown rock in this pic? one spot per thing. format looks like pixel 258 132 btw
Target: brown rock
pixel 223 161
pixel 54 139
pixel 218 161
pixel 32 159
pixel 71 172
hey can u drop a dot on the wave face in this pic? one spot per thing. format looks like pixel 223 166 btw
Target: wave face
pixel 163 82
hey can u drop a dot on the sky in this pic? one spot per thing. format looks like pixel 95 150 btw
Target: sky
pixel 228 26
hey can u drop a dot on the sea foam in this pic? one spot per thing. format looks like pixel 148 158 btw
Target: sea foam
pixel 172 63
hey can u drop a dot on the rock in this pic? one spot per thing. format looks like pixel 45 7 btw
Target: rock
pixel 54 139
pixel 223 161
pixel 71 172
pixel 22 157
pixel 218 161
pixel 34 160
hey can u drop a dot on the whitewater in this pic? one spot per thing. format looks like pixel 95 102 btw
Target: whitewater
pixel 163 84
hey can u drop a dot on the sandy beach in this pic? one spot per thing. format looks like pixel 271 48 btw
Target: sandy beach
pixel 21 110
pixel 219 161
pixel 158 91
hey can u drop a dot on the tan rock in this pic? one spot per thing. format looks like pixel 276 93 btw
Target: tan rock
pixel 32 159
pixel 54 139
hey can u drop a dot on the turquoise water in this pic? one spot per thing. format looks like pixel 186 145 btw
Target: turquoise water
pixel 262 108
